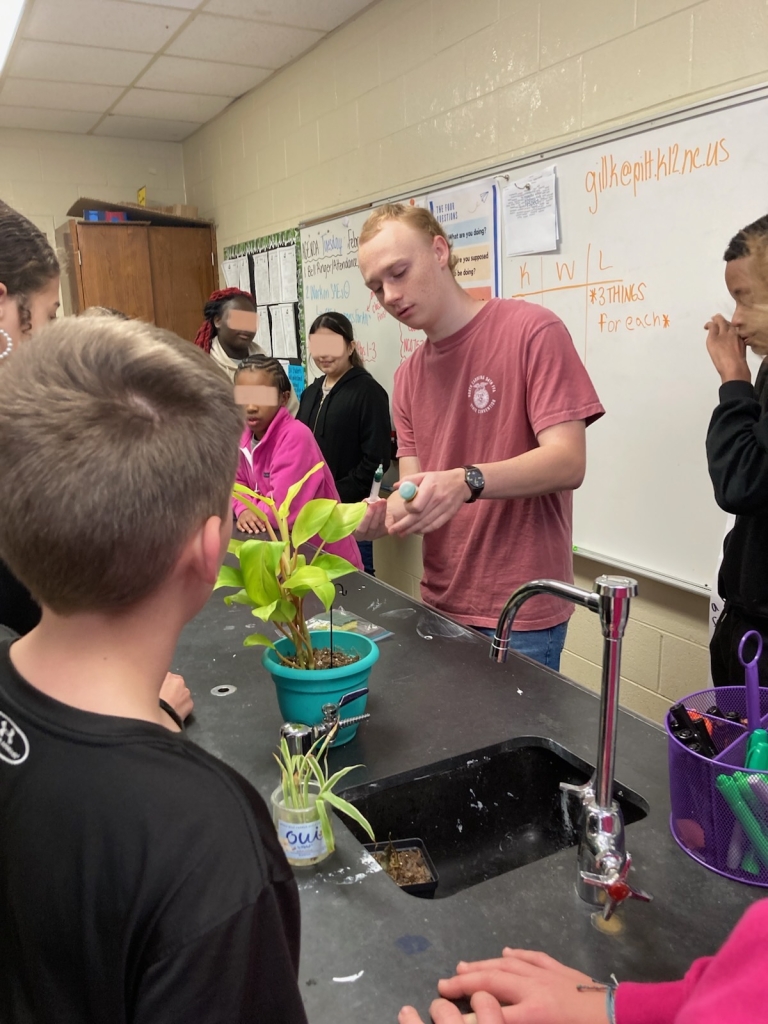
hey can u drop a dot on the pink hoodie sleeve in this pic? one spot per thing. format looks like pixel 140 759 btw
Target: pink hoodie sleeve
pixel 730 986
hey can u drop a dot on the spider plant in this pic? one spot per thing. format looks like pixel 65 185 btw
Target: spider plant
pixel 299 771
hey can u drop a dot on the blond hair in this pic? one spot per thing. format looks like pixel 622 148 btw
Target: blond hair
pixel 137 431
pixel 416 217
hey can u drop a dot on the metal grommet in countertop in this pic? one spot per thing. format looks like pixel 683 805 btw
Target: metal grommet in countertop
pixel 223 691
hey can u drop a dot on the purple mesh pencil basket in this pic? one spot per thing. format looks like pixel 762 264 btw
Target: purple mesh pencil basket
pixel 702 822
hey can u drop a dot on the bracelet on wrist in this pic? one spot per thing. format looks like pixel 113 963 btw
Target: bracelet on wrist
pixel 172 713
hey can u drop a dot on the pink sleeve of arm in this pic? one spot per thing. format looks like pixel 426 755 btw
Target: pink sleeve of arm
pixel 654 1003
pixel 406 443
pixel 559 389
pixel 729 986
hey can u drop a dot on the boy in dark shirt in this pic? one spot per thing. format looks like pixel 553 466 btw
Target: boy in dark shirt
pixel 737 452
pixel 140 878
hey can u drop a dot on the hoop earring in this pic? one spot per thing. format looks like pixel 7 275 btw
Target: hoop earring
pixel 8 344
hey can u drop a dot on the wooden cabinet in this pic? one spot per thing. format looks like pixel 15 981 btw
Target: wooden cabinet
pixel 157 273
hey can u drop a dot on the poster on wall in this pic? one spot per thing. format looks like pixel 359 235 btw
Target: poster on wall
pixel 469 216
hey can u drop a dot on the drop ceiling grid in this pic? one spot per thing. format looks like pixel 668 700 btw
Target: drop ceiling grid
pixel 152 69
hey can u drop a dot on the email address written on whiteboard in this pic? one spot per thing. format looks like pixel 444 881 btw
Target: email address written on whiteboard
pixel 673 159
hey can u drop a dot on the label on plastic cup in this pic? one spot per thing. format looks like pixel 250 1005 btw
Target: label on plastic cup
pixel 301 841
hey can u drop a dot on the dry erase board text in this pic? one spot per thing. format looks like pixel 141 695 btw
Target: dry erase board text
pixel 652 166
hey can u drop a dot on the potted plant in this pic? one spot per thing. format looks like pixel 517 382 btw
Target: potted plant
pixel 301 804
pixel 274 578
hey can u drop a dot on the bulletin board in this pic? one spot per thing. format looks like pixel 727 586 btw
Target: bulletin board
pixel 270 269
pixel 645 213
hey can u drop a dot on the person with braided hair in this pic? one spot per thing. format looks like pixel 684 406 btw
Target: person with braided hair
pixel 276 451
pixel 29 297
pixel 228 346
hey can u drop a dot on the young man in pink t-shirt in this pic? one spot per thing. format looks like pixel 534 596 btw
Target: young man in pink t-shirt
pixel 494 407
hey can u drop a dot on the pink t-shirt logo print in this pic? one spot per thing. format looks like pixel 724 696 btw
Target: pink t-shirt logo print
pixel 480 394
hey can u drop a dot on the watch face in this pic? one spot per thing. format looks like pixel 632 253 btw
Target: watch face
pixel 474 478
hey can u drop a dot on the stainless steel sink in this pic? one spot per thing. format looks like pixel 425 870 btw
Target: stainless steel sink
pixel 486 812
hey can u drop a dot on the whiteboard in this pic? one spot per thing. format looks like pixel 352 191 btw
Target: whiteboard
pixel 644 220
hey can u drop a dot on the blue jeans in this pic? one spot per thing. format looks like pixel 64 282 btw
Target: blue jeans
pixel 542 645
pixel 366 553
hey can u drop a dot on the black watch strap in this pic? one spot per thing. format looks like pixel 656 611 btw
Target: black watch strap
pixel 475 481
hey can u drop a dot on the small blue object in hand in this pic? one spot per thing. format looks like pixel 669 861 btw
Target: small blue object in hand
pixel 408 490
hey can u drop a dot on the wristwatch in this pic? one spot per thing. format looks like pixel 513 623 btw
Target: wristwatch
pixel 475 481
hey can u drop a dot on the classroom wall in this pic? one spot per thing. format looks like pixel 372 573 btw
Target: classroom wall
pixel 415 91
pixel 43 173
pixel 665 652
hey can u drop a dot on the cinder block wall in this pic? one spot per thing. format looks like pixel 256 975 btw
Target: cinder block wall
pixel 415 91
pixel 665 651
pixel 42 173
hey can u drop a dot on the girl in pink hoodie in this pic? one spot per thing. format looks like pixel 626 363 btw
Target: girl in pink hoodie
pixel 276 451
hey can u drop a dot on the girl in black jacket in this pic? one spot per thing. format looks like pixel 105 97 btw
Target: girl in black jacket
pixel 348 412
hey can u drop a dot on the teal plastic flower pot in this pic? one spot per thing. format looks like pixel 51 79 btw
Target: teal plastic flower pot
pixel 301 693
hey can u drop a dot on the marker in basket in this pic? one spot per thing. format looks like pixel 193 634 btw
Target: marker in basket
pixel 378 476
pixel 408 490
pixel 684 720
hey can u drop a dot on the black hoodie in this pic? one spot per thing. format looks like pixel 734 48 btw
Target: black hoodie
pixel 352 428
pixel 737 454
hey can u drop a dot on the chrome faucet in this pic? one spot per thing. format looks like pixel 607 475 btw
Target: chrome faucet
pixel 603 860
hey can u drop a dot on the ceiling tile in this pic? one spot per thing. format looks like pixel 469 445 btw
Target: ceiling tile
pixel 59 62
pixel 189 5
pixel 46 120
pixel 26 92
pixel 242 42
pixel 180 74
pixel 109 23
pixel 321 14
pixel 145 128
pixel 170 106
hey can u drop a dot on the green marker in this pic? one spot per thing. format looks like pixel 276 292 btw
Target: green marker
pixel 378 476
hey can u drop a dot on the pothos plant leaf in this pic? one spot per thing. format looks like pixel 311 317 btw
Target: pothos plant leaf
pixel 229 576
pixel 258 640
pixel 293 490
pixel 326 592
pixel 242 491
pixel 333 565
pixel 241 597
pixel 278 611
pixel 259 560
pixel 305 580
pixel 343 521
pixel 274 578
pixel 311 519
